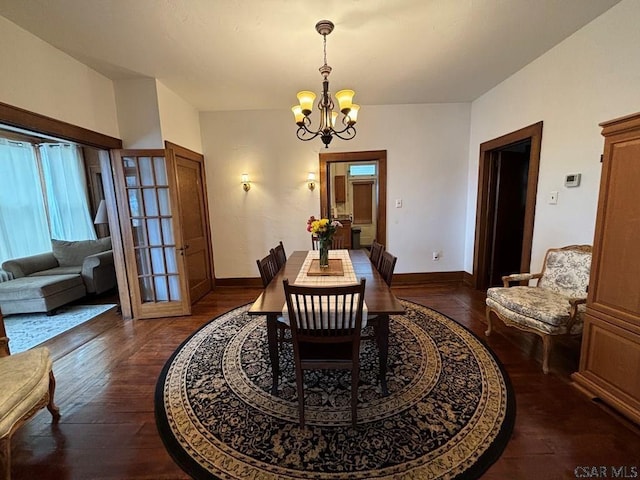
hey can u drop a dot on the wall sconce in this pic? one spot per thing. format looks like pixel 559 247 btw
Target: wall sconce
pixel 311 181
pixel 246 183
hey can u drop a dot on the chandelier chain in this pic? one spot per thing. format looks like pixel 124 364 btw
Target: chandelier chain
pixel 325 48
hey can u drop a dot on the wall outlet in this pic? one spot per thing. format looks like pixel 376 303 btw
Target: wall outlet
pixel 436 256
pixel 553 198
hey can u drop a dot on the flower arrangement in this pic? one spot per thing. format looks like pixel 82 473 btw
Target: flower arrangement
pixel 322 227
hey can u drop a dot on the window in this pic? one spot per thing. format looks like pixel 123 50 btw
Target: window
pixel 362 170
pixel 43 195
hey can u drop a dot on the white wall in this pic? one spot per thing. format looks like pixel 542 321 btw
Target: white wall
pixel 138 113
pixel 179 120
pixel 149 113
pixel 40 78
pixel 591 77
pixel 427 167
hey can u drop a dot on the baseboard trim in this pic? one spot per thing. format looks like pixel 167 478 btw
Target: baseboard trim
pixel 239 282
pixel 427 277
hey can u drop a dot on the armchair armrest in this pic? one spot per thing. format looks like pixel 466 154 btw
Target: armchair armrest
pixel 25 266
pixel 519 277
pixel 97 260
pixel 98 272
pixel 573 311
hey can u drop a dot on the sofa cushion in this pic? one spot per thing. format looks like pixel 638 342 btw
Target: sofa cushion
pixel 71 253
pixel 75 269
pixel 24 381
pixel 26 288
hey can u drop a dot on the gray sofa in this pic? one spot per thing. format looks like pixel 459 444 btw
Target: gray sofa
pixel 49 280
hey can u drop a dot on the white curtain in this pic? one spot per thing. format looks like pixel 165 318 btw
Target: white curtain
pixel 23 221
pixel 66 191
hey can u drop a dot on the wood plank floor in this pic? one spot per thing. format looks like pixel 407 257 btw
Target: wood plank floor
pixel 106 373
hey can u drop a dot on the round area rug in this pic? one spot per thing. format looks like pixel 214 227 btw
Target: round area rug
pixel 449 412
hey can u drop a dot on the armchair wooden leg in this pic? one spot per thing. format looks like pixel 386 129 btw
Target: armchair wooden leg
pixel 488 315
pixel 51 406
pixel 546 348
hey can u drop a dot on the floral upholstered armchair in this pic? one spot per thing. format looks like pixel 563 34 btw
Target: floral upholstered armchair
pixel 554 306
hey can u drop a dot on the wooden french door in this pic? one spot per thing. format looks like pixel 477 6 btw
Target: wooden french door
pixel 192 198
pixel 146 191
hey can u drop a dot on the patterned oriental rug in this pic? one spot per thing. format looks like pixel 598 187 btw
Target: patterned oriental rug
pixel 449 413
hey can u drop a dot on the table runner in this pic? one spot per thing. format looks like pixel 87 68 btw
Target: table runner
pixel 349 277
pixel 304 280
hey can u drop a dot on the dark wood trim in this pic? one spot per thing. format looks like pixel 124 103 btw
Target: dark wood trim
pixel 533 132
pixel 239 282
pixel 427 277
pixel 379 156
pixel 468 279
pixel 34 122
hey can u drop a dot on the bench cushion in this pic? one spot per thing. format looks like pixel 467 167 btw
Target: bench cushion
pixel 24 381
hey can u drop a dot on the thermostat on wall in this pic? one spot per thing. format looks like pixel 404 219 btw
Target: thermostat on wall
pixel 572 180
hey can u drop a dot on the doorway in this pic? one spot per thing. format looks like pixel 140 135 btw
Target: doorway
pixel 103 145
pixel 334 165
pixel 507 188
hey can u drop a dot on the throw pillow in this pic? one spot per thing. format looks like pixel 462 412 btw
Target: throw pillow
pixel 73 253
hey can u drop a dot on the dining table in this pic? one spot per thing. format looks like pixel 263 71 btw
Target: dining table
pixel 378 297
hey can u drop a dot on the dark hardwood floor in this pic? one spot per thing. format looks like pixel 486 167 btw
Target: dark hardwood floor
pixel 106 373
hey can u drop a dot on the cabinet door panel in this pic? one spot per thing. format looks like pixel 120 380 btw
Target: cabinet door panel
pixel 617 278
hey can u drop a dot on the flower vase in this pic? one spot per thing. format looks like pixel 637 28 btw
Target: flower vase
pixel 323 246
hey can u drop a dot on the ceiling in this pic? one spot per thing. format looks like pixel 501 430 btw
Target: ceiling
pixel 256 54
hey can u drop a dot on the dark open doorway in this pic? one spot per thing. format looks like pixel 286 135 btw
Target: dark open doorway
pixel 507 187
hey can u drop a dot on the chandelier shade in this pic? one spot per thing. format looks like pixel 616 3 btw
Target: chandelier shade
pixel 328 126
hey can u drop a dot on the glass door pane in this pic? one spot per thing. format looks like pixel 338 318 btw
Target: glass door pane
pixel 150 224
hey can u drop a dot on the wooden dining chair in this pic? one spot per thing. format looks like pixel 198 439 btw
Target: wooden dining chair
pixel 337 243
pixel 268 268
pixel 279 255
pixel 323 336
pixel 376 253
pixel 386 266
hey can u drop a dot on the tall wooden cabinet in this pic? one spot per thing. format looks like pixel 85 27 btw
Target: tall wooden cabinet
pixel 610 356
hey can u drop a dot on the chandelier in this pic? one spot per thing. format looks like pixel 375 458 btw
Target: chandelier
pixel 327 128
